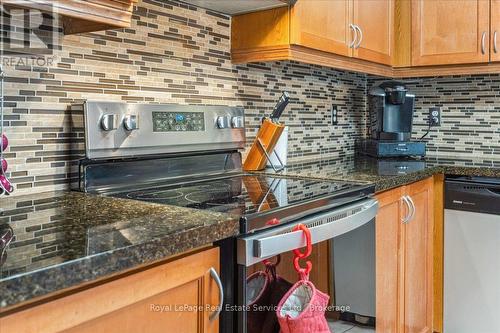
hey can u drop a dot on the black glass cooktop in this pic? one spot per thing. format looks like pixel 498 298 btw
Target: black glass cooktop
pixel 249 195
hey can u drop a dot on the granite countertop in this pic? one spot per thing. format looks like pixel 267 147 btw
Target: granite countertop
pixel 391 173
pixel 65 239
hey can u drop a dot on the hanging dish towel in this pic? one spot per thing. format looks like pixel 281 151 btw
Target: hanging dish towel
pixel 265 289
pixel 302 309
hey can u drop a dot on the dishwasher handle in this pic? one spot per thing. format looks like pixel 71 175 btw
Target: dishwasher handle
pixel 255 248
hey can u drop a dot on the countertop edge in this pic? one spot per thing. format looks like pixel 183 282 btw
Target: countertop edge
pixel 84 270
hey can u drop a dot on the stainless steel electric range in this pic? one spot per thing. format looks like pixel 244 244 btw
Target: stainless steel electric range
pixel 190 156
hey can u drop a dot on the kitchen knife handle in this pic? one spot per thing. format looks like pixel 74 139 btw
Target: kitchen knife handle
pixel 280 106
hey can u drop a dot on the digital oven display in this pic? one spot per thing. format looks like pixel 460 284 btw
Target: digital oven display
pixel 178 122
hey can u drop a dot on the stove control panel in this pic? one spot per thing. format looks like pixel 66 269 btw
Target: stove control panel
pixel 117 129
pixel 178 121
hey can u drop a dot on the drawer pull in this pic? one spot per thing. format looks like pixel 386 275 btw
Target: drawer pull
pixel 495 42
pixel 483 42
pixel 355 36
pixel 215 276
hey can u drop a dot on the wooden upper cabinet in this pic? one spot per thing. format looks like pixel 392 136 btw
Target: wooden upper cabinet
pixel 84 16
pixel 418 260
pixel 375 19
pixel 450 32
pixel 495 30
pixel 267 28
pixel 400 38
pixel 322 25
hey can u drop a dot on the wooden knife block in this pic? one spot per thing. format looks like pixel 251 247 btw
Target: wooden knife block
pixel 269 134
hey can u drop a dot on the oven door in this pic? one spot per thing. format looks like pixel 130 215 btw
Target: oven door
pixel 343 259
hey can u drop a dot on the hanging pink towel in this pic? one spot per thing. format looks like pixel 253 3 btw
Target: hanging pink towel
pixel 302 309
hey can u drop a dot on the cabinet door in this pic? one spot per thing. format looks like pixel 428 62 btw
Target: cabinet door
pixel 450 32
pixel 418 260
pixel 387 261
pixel 375 18
pixel 150 301
pixel 495 30
pixel 322 25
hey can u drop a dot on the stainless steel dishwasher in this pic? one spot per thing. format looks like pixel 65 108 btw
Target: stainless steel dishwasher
pixel 472 255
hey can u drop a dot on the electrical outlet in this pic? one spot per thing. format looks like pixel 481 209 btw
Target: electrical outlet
pixel 435 116
pixel 335 116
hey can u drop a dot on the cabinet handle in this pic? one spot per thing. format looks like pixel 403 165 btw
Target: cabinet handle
pixel 355 36
pixel 360 36
pixel 215 276
pixel 495 42
pixel 413 208
pixel 483 42
pixel 407 202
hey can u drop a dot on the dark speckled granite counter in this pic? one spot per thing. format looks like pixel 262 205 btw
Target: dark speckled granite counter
pixel 65 239
pixel 390 173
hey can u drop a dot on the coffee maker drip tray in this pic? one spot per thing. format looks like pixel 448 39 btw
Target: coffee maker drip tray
pixel 380 148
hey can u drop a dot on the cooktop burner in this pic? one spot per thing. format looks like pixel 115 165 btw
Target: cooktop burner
pixel 249 195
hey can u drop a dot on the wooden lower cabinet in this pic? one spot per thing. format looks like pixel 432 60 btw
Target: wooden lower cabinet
pixel 417 242
pixel 170 297
pixel 387 261
pixel 404 259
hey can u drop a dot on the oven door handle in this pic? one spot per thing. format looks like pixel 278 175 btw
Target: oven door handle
pixel 323 226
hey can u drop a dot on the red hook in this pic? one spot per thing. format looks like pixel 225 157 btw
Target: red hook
pixel 299 255
pixel 300 270
pixel 268 262
pixel 307 233
pixel 274 221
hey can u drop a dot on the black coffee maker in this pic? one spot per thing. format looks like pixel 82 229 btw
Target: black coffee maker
pixel 390 108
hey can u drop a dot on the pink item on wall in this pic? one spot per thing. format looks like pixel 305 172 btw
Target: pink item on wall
pixel 4 165
pixel 4 141
pixel 5 184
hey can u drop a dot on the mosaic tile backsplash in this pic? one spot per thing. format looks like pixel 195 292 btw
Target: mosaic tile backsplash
pixel 177 53
pixel 173 53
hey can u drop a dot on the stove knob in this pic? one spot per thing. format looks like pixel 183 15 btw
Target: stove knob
pixel 131 122
pixel 237 122
pixel 222 122
pixel 108 122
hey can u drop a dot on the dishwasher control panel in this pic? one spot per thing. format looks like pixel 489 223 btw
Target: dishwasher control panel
pixel 473 194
